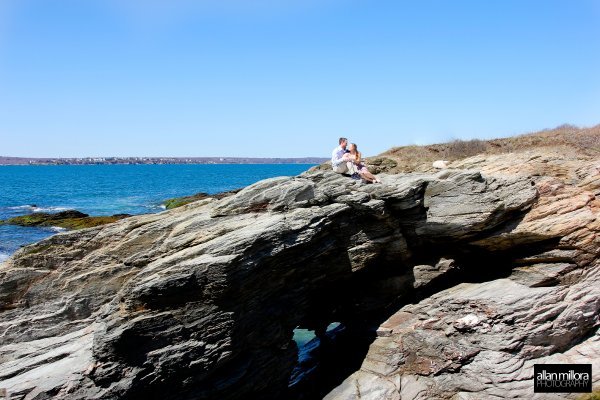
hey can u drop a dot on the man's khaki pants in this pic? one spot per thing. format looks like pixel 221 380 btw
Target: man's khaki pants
pixel 345 168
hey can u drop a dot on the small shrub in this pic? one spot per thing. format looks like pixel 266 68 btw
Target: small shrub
pixel 458 149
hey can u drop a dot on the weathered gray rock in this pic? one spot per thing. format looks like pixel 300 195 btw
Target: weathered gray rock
pixel 201 301
pixel 426 274
pixel 481 340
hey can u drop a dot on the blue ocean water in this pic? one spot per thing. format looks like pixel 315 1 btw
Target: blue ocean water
pixel 113 189
pixel 308 345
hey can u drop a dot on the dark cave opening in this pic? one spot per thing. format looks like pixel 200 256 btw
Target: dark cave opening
pixel 326 360
pixel 330 357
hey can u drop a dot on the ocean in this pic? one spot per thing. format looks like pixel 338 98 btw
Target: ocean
pixel 112 189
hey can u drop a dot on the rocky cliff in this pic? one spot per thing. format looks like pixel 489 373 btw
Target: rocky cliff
pixel 468 276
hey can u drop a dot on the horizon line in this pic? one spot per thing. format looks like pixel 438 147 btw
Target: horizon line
pixel 164 157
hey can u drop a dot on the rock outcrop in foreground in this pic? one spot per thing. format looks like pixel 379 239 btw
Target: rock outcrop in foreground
pixel 470 276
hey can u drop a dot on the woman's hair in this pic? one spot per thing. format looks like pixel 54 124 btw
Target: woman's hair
pixel 358 155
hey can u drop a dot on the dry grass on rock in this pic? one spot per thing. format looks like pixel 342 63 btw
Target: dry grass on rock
pixel 582 141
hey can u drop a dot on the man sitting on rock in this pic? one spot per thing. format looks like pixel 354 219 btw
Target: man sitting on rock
pixel 340 160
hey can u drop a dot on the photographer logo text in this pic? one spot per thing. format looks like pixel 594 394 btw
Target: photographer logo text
pixel 562 378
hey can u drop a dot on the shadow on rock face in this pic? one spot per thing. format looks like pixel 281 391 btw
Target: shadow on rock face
pixel 201 302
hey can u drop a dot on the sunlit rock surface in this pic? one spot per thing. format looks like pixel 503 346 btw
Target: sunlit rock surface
pixel 479 271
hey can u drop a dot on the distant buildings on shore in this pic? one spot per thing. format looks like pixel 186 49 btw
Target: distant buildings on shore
pixel 156 160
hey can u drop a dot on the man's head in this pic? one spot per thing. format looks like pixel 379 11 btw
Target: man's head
pixel 343 142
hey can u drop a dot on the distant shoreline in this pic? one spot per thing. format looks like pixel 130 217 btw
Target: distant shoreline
pixel 157 160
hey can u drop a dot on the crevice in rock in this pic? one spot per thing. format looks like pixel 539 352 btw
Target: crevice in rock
pixel 342 354
pixel 333 356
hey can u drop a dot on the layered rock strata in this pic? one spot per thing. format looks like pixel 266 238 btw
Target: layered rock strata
pixel 201 301
pixel 480 340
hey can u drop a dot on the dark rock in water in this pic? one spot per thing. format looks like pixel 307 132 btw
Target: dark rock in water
pixel 44 219
pixel 468 277
pixel 70 219
pixel 65 215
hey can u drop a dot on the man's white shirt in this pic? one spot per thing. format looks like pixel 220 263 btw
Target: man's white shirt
pixel 336 156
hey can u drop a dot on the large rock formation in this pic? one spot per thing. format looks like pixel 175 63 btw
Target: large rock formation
pixel 479 340
pixel 479 272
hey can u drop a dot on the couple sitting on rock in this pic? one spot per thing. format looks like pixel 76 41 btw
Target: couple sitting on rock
pixel 349 161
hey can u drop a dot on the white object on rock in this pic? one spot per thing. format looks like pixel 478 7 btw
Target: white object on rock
pixel 440 164
pixel 467 322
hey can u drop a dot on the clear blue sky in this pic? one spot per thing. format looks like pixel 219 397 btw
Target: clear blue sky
pixel 286 78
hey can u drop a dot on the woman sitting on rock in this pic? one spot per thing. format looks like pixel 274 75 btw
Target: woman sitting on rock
pixel 361 169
